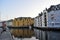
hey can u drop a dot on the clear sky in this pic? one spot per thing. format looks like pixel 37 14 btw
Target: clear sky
pixel 23 8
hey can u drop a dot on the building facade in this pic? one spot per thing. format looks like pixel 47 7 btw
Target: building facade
pixel 48 18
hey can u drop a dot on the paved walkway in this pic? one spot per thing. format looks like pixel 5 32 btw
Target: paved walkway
pixel 6 35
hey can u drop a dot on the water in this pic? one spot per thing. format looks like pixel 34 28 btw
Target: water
pixel 6 34
pixel 33 38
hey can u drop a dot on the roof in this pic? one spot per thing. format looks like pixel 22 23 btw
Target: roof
pixel 54 8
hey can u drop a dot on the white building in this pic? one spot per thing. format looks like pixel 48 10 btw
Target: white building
pixel 38 21
pixel 9 23
pixel 44 18
pixel 48 18
pixel 54 17
pixel 41 20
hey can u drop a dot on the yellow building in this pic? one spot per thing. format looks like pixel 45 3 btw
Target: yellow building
pixel 21 22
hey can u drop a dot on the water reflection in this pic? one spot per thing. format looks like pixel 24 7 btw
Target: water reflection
pixel 47 35
pixel 32 38
pixel 22 33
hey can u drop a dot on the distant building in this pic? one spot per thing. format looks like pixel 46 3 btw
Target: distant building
pixel 9 22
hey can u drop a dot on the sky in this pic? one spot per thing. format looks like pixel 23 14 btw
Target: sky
pixel 10 9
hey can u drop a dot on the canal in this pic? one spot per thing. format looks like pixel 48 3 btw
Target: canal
pixel 33 38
